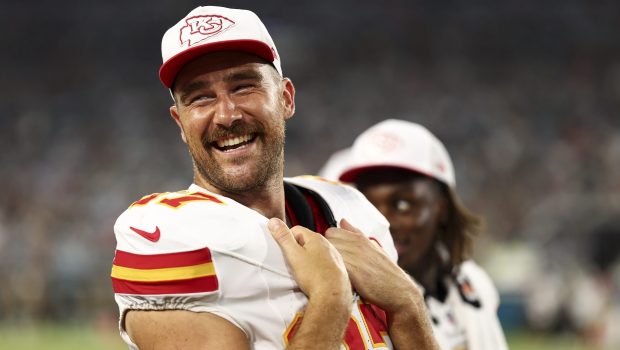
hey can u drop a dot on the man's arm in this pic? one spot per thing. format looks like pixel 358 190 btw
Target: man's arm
pixel 321 275
pixel 381 282
pixel 180 329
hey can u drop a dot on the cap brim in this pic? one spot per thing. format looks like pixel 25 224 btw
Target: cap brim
pixel 170 68
pixel 350 175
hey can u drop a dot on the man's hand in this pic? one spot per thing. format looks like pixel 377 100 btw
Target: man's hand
pixel 317 266
pixel 374 276
pixel 382 282
pixel 321 274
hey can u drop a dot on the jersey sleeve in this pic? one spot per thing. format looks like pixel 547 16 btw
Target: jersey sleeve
pixel 162 259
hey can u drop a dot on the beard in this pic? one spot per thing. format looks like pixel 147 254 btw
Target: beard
pixel 252 172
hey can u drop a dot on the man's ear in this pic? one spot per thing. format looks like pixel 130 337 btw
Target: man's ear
pixel 288 96
pixel 175 115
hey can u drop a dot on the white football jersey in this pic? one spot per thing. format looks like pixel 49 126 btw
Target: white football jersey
pixel 199 251
pixel 467 318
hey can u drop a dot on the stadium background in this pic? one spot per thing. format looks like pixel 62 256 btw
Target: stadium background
pixel 525 95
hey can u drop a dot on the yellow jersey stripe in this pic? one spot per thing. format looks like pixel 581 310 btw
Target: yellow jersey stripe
pixel 165 274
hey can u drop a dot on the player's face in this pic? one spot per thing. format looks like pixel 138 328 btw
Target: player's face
pixel 413 204
pixel 231 108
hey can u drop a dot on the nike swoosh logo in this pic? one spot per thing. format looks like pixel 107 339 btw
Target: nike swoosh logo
pixel 151 236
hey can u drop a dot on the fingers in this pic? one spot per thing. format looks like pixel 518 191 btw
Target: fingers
pixel 278 230
pixel 345 232
pixel 300 234
pixel 315 264
pixel 283 236
pixel 289 239
pixel 348 226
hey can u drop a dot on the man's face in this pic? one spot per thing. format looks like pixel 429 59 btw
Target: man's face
pixel 231 108
pixel 413 204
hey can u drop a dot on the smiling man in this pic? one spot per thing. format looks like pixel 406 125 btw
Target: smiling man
pixel 233 154
pixel 245 259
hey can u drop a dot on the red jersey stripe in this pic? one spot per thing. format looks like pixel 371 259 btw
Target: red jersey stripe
pixel 375 323
pixel 195 285
pixel 159 261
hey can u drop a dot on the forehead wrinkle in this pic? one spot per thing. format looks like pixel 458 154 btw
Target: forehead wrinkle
pixel 246 74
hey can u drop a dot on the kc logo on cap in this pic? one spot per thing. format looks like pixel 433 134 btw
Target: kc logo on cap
pixel 200 28
pixel 385 141
pixel 208 29
pixel 400 144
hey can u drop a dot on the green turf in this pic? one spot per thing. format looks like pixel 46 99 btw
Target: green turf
pixel 59 337
pixel 535 341
pixel 105 337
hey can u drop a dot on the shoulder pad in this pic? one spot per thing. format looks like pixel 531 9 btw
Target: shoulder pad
pixel 171 236
pixel 168 222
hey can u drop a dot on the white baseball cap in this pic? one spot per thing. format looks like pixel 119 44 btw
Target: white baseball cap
pixel 399 144
pixel 336 163
pixel 209 29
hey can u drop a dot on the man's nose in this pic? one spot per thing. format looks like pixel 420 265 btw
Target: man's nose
pixel 226 112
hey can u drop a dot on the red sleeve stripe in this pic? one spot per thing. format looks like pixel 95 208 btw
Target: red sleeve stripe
pixel 158 261
pixel 196 285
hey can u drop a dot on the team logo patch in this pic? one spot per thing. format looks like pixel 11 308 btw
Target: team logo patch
pixel 199 28
pixel 171 273
pixel 467 292
pixel 385 142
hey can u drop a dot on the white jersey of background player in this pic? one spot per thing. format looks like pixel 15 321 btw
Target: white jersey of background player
pixel 407 173
pixel 195 250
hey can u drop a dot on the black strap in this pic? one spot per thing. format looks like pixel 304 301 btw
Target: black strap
pixel 325 209
pixel 297 202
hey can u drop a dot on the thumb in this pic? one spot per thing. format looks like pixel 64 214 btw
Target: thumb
pixel 281 233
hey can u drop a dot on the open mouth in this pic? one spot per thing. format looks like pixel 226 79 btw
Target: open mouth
pixel 401 245
pixel 233 143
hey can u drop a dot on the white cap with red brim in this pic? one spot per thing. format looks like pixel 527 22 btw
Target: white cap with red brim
pixel 209 29
pixel 399 144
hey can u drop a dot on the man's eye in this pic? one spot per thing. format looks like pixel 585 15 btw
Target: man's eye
pixel 200 98
pixel 403 205
pixel 243 87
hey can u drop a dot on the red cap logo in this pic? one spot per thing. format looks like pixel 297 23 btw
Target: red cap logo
pixel 199 28
pixel 386 141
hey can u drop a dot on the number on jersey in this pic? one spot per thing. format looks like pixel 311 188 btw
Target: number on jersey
pixel 177 199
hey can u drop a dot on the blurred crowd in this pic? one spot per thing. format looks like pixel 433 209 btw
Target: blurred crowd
pixel 525 96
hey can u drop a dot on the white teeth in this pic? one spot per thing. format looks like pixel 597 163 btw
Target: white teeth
pixel 233 141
